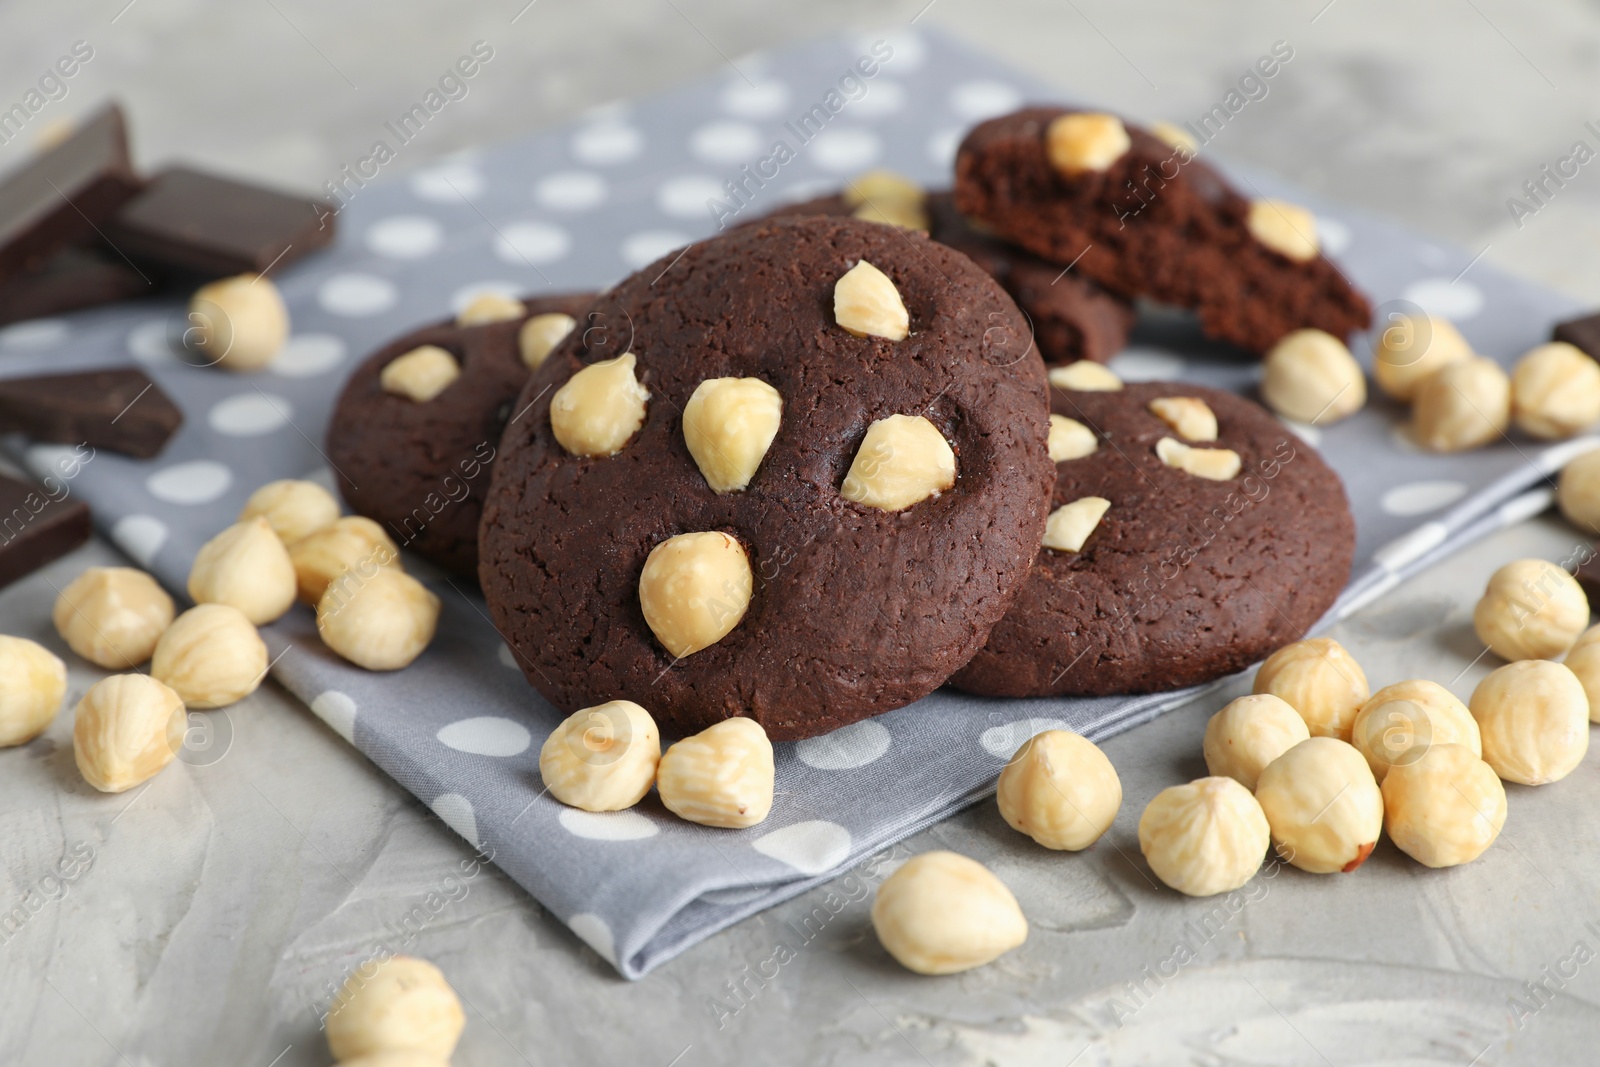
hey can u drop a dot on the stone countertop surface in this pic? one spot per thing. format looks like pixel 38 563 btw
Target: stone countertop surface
pixel 207 917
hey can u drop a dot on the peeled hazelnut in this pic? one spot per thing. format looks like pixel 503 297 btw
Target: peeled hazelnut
pixel 381 622
pixel 903 460
pixel 1466 404
pixel 421 374
pixel 1060 790
pixel 396 1058
pixel 602 758
pixel 1188 416
pixel 1070 439
pixel 942 913
pixel 1250 733
pixel 1402 721
pixel 1083 141
pixel 1311 377
pixel 112 616
pixel 1070 525
pixel 880 186
pixel 238 323
pixel 867 304
pixel 1584 661
pixel 540 335
pixel 245 566
pixel 1411 347
pixel 722 776
pixel 126 728
pixel 32 684
pixel 1532 609
pixel 1534 717
pixel 1444 808
pixel 1578 491
pixel 1204 838
pixel 292 508
pixel 729 424
pixel 600 408
pixel 1555 391
pixel 1213 464
pixel 1321 680
pixel 694 589
pixel 1085 376
pixel 399 1004
pixel 211 656
pixel 490 307
pixel 1323 805
pixel 351 543
pixel 906 214
pixel 1288 229
pixel 1175 136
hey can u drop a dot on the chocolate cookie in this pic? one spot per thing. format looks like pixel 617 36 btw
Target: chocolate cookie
pixel 421 468
pixel 1145 218
pixel 1182 579
pixel 799 600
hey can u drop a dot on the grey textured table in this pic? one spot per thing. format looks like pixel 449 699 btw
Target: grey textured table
pixel 206 923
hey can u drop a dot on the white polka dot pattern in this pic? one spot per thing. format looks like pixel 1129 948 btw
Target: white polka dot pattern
pixel 249 414
pixel 850 746
pixel 1419 498
pixel 456 812
pixel 198 481
pixel 486 735
pixel 141 537
pixel 338 711
pixel 810 847
pixel 607 825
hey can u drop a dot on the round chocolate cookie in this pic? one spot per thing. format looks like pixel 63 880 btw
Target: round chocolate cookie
pixel 847 609
pixel 1183 579
pixel 421 468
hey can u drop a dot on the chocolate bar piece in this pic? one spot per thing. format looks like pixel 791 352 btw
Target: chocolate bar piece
pixel 1583 333
pixel 121 410
pixel 73 278
pixel 61 197
pixel 37 525
pixel 187 220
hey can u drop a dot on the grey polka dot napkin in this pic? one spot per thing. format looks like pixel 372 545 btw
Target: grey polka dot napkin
pixel 578 208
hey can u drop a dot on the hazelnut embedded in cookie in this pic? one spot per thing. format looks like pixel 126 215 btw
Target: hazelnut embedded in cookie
pixel 1083 141
pixel 1288 229
pixel 867 304
pixel 903 460
pixel 694 589
pixel 1070 525
pixel 1070 439
pixel 1217 464
pixel 729 424
pixel 1085 377
pixel 1188 416
pixel 421 374
pixel 600 408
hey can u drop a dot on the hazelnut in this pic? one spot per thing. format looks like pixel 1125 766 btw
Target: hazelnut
pixel 1411 347
pixel 1287 229
pixel 1321 680
pixel 421 374
pixel 1085 376
pixel 1070 525
pixel 112 616
pixel 1400 722
pixel 211 656
pixel 292 508
pixel 722 776
pixel 906 214
pixel 729 424
pixel 1323 805
pixel 1584 661
pixel 540 335
pixel 903 460
pixel 1070 439
pixel 1083 141
pixel 1188 416
pixel 942 913
pixel 600 408
pixel 239 323
pixel 1578 491
pixel 1534 718
pixel 1060 790
pixel 602 758
pixel 380 621
pixel 1204 838
pixel 1465 404
pixel 881 186
pixel 399 1004
pixel 126 728
pixel 33 682
pixel 1249 733
pixel 1445 807
pixel 867 304
pixel 490 307
pixel 1532 609
pixel 1213 464
pixel 1311 377
pixel 396 1058
pixel 1175 136
pixel 694 589
pixel 1555 391
pixel 351 543
pixel 247 567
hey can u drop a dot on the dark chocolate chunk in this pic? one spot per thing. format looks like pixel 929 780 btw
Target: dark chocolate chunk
pixel 64 195
pixel 37 525
pixel 73 278
pixel 1588 572
pixel 188 220
pixel 121 410
pixel 1583 333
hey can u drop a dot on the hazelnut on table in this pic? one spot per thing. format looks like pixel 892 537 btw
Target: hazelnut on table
pixel 33 682
pixel 211 656
pixel 353 543
pixel 1311 377
pixel 247 567
pixel 1323 805
pixel 1250 733
pixel 1534 719
pixel 1060 790
pixel 1578 492
pixel 125 730
pixel 1555 391
pixel 1532 609
pixel 1410 347
pixel 942 913
pixel 112 616
pixel 381 622
pixel 1204 838
pixel 292 507
pixel 1466 404
pixel 722 776
pixel 1444 808
pixel 401 1004
pixel 1402 721
pixel 1321 680
pixel 602 758
pixel 1584 662
pixel 238 323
